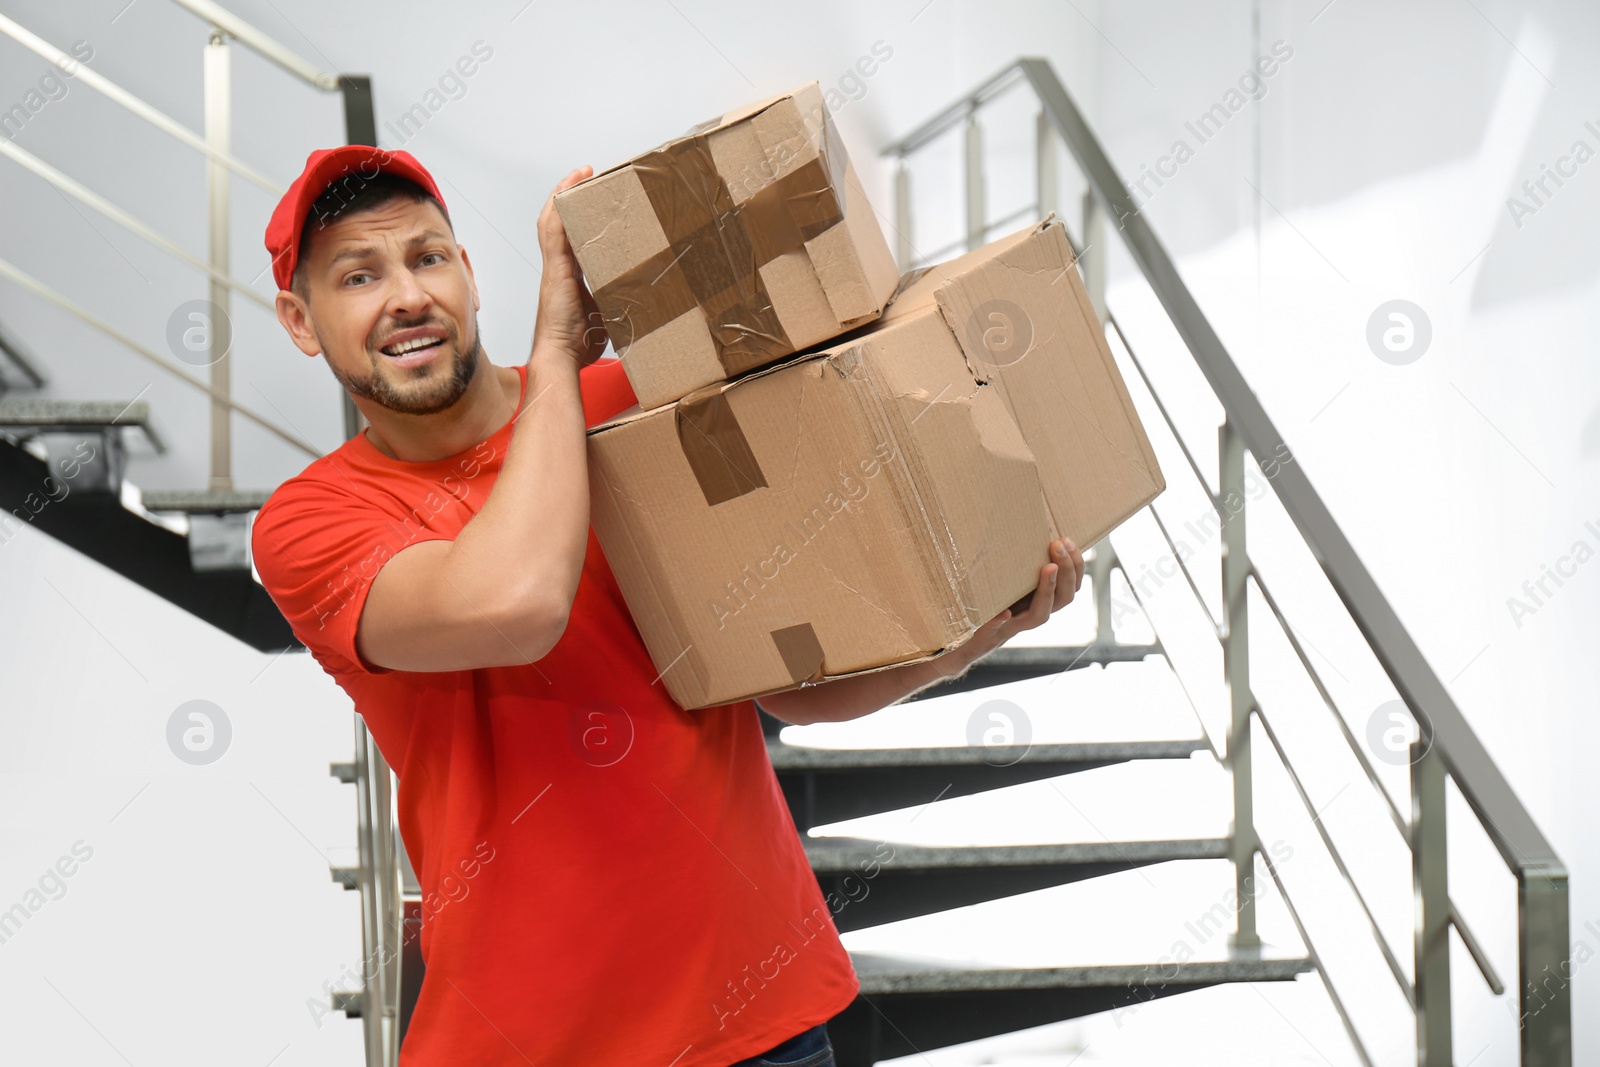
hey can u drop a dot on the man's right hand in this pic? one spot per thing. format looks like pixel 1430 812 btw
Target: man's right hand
pixel 569 321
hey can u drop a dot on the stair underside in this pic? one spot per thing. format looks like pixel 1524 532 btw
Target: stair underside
pixel 909 755
pixel 1114 942
pixel 100 527
pixel 1074 827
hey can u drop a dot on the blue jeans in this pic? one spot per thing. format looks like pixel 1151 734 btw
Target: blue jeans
pixel 811 1048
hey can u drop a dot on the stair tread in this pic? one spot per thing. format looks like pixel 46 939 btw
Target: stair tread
pixel 1145 800
pixel 1227 1025
pixel 48 411
pixel 45 413
pixel 786 757
pixel 886 973
pixel 837 854
pixel 1158 917
pixel 204 500
pixel 1111 704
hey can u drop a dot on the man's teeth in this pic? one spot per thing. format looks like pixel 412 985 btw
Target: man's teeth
pixel 407 346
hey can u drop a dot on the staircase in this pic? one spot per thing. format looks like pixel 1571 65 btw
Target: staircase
pixel 63 462
pixel 1153 783
pixel 1139 799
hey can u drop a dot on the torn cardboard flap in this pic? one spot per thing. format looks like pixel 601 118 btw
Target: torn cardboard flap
pixel 872 503
pixel 1016 311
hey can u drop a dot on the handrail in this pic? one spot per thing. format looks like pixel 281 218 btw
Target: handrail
pixel 1338 860
pixel 260 43
pixel 12 352
pixel 117 94
pixel 28 281
pixel 957 112
pixel 1519 840
pixel 87 196
pixel 1448 747
pixel 1316 960
pixel 1183 446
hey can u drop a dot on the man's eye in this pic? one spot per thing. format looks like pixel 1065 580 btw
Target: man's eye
pixel 433 255
pixel 355 277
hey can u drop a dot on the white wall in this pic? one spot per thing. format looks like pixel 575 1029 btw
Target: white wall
pixel 1388 146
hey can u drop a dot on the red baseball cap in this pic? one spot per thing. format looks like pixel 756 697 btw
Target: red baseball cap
pixel 323 168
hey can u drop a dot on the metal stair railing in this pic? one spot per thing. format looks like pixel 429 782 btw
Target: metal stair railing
pixel 381 851
pixel 1447 747
pixel 361 128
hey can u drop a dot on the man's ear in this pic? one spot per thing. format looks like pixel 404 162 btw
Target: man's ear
pixel 295 316
pixel 472 280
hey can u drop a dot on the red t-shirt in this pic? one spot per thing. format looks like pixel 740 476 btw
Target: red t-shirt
pixel 607 878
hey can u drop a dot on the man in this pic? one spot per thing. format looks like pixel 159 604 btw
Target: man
pixel 607 878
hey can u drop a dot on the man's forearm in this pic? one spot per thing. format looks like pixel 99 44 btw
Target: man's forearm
pixel 523 551
pixel 851 698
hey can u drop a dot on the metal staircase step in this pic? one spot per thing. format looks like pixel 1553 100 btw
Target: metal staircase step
pixel 875 882
pixel 27 415
pixel 1228 1025
pixel 882 974
pixel 830 785
pixel 911 1006
pixel 917 862
pixel 1114 942
pixel 1140 800
pixel 1125 701
pixel 909 754
pixel 204 501
pixel 1012 664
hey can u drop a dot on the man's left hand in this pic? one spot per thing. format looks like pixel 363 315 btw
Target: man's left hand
pixel 1059 581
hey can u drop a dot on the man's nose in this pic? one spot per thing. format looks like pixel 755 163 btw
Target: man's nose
pixel 407 297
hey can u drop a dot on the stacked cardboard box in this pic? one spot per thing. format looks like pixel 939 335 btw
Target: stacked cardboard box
pixel 742 241
pixel 871 501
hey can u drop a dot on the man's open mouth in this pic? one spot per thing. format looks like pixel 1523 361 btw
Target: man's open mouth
pixel 413 350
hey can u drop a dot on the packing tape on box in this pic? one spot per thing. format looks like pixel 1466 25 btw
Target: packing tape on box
pixel 716 247
pixel 801 652
pixel 715 446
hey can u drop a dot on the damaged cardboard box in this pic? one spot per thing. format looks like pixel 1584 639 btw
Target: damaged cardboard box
pixel 745 240
pixel 873 503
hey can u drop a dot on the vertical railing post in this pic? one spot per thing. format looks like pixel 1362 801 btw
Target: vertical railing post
pixel 977 224
pixel 1544 996
pixel 220 329
pixel 1094 282
pixel 1046 164
pixel 1101 562
pixel 381 907
pixel 1431 887
pixel 1092 255
pixel 387 857
pixel 903 249
pixel 1236 669
pixel 391 906
pixel 360 127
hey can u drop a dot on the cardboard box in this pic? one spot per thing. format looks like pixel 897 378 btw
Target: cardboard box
pixel 745 240
pixel 873 503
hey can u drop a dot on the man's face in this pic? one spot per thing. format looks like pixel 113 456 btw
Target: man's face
pixel 392 306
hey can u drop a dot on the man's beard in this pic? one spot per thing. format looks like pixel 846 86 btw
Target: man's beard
pixel 422 396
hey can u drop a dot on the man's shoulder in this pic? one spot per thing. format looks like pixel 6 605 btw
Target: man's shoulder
pixel 319 483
